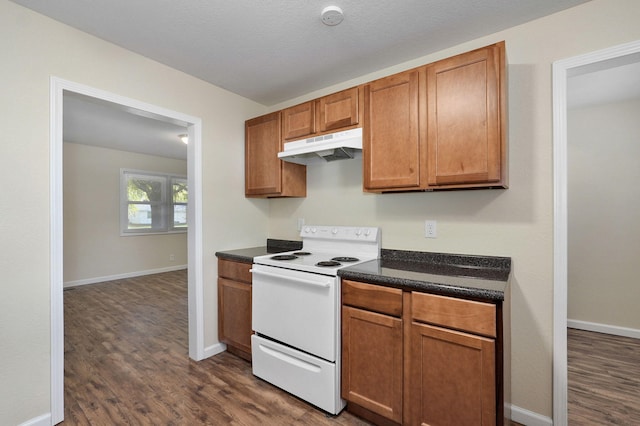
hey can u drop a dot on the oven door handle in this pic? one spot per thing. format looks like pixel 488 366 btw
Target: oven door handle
pixel 296 280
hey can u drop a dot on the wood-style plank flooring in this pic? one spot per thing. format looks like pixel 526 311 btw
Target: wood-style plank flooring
pixel 126 363
pixel 603 379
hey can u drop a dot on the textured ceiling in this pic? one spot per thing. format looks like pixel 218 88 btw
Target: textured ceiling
pixel 274 50
pixel 266 50
pixel 90 121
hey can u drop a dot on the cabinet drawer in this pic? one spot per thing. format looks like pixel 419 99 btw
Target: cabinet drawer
pixel 372 297
pixel 238 271
pixel 466 315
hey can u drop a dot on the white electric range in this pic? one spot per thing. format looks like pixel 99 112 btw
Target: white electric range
pixel 296 311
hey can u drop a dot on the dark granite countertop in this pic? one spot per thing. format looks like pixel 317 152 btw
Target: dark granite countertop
pixel 246 255
pixel 458 275
pixel 466 276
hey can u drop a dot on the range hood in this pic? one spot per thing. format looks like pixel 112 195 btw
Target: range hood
pixel 334 146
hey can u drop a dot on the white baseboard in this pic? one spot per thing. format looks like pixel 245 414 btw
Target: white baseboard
pixel 604 328
pixel 529 418
pixel 43 420
pixel 212 350
pixel 123 276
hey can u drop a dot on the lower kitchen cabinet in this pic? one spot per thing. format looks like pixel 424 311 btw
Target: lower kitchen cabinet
pixel 372 361
pixel 415 358
pixel 451 378
pixel 234 307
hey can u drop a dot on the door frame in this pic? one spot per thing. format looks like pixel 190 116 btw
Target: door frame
pixel 194 234
pixel 562 69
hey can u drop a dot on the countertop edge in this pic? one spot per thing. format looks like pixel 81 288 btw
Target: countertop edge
pixel 424 286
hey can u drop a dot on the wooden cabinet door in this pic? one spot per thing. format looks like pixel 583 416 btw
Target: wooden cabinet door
pixel 394 153
pixel 372 361
pixel 262 165
pixel 452 377
pixel 299 121
pixel 234 316
pixel 339 110
pixel 265 174
pixel 465 135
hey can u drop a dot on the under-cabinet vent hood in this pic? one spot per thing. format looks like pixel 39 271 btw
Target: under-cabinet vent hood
pixel 319 149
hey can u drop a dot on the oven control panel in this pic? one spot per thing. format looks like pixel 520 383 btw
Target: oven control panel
pixel 346 233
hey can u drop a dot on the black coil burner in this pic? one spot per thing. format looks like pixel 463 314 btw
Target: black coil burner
pixel 302 253
pixel 345 259
pixel 328 263
pixel 284 257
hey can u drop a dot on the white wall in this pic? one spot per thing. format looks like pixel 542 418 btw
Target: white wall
pixel 517 222
pixel 93 247
pixel 604 207
pixel 35 48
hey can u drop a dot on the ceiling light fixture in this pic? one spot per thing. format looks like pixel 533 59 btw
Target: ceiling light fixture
pixel 184 138
pixel 331 15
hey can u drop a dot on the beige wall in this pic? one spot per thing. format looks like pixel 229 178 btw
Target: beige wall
pixel 517 222
pixel 604 207
pixel 35 48
pixel 93 247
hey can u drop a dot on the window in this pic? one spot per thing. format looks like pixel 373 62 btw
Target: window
pixel 152 203
pixel 180 198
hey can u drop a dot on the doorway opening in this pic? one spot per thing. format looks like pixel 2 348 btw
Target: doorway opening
pixel 194 239
pixel 562 70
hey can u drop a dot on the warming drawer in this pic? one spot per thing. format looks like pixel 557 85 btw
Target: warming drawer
pixel 310 378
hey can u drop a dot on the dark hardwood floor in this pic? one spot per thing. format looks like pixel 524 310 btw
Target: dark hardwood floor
pixel 603 379
pixel 126 363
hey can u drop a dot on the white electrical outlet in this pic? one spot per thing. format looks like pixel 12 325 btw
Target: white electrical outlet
pixel 172 257
pixel 430 229
pixel 300 223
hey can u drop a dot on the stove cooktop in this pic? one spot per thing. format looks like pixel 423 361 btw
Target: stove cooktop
pixel 325 249
pixel 323 263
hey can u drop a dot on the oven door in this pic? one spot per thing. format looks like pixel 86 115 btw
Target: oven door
pixel 296 308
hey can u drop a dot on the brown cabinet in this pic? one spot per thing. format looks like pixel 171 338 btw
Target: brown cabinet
pixel 416 358
pixel 234 307
pixel 299 121
pixel 436 127
pixel 338 111
pixel 466 125
pixel 372 348
pixel 441 126
pixel 394 153
pixel 452 373
pixel 265 174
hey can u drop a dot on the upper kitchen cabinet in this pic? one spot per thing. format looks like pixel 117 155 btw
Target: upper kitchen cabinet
pixel 338 111
pixel 394 148
pixel 466 124
pixel 299 121
pixel 265 174
pixel 442 126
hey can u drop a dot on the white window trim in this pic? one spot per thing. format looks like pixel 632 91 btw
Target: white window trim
pixel 167 201
pixel 172 204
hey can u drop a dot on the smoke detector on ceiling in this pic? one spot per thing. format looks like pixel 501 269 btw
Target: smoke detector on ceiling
pixel 331 15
